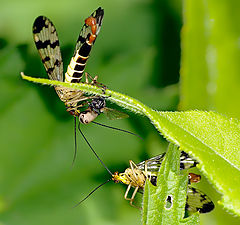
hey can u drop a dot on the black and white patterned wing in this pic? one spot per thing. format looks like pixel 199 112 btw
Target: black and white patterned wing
pixel 197 201
pixel 187 162
pixel 86 39
pixel 153 164
pixel 47 43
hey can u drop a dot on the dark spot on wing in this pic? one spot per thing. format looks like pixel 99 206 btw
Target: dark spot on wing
pixel 54 44
pixel 206 207
pixel 194 191
pixel 45 44
pixel 45 59
pixel 39 24
pixel 57 63
pixel 50 70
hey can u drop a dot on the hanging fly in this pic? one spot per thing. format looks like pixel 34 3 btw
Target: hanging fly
pixel 47 42
pixel 136 175
pixel 77 103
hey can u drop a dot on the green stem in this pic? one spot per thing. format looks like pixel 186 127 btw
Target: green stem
pixel 118 98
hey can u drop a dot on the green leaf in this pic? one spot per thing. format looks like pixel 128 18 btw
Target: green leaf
pixel 214 141
pixel 169 183
pixel 211 138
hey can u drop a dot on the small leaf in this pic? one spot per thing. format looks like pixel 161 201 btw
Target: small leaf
pixel 165 204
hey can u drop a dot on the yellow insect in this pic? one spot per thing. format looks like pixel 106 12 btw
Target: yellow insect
pixel 136 175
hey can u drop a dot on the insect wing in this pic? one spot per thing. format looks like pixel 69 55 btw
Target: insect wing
pixel 47 43
pixel 186 162
pixel 114 114
pixel 86 30
pixel 197 201
pixel 153 164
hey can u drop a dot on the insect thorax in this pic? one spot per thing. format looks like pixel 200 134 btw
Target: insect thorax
pixel 97 104
pixel 134 177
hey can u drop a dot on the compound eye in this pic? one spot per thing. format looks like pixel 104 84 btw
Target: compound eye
pixel 83 118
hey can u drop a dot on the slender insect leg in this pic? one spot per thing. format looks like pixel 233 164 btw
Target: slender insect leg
pixel 95 82
pixel 132 198
pixel 86 77
pixel 133 167
pixel 133 195
pixel 74 106
pixel 126 193
pixel 101 85
pixel 76 100
pixel 70 108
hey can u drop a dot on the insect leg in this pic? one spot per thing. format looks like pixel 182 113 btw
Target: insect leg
pixel 133 195
pixel 126 193
pixel 133 167
pixel 83 98
pixel 86 77
pixel 132 198
pixel 95 82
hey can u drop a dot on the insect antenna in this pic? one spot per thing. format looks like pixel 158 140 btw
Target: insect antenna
pixel 91 192
pixel 93 150
pixel 115 128
pixel 75 141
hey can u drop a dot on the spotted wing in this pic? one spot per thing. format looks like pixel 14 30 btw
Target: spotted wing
pixel 47 43
pixel 153 164
pixel 197 201
pixel 114 114
pixel 83 47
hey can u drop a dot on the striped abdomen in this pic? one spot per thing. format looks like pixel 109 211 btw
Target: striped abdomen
pixel 78 62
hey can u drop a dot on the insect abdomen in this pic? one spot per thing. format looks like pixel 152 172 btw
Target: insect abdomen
pixel 78 62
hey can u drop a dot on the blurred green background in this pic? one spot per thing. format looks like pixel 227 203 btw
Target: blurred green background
pixel 138 53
